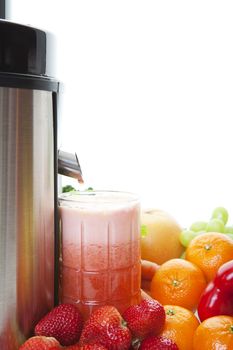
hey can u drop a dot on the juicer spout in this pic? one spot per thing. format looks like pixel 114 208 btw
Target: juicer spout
pixel 68 165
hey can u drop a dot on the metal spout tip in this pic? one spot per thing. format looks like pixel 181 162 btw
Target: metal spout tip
pixel 68 165
pixel 80 179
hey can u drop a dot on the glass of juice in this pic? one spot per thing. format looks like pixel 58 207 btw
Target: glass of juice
pixel 100 249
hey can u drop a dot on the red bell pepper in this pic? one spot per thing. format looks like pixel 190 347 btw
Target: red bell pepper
pixel 217 298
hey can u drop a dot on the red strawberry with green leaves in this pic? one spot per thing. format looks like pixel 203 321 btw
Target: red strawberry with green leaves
pixel 158 343
pixel 64 323
pixel 145 318
pixel 106 327
pixel 40 343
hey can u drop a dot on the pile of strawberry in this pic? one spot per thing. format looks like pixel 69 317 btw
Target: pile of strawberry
pixel 106 329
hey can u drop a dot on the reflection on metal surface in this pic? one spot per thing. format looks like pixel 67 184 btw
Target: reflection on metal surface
pixel 26 212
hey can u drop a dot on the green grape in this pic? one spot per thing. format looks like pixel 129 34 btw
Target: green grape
pixel 198 226
pixel 230 235
pixel 220 213
pixel 186 237
pixel 215 225
pixel 228 229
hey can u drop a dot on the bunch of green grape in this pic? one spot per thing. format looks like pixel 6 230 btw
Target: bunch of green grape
pixel 217 223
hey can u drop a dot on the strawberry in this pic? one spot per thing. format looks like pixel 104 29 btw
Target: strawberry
pixel 92 347
pixel 40 343
pixel 64 323
pixel 84 347
pixel 145 318
pixel 158 343
pixel 106 327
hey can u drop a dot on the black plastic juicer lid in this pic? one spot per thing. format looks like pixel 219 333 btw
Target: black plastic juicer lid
pixel 24 51
pixel 25 57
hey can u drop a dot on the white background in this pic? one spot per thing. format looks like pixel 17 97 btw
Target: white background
pixel 147 96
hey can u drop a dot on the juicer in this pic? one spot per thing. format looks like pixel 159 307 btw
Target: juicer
pixel 29 162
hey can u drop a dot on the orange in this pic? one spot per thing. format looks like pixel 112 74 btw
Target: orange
pixel 215 333
pixel 209 251
pixel 180 326
pixel 178 282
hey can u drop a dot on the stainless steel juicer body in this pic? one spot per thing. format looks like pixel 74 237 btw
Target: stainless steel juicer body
pixel 26 211
pixel 28 169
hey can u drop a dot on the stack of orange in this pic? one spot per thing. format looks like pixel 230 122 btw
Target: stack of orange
pixel 178 285
pixel 181 282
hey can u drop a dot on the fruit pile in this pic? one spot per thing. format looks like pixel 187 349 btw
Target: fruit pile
pixel 199 280
pixel 187 302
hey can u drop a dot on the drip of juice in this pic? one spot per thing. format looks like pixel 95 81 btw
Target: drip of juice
pixel 100 251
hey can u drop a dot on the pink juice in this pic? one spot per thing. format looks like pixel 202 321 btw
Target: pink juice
pixel 100 250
